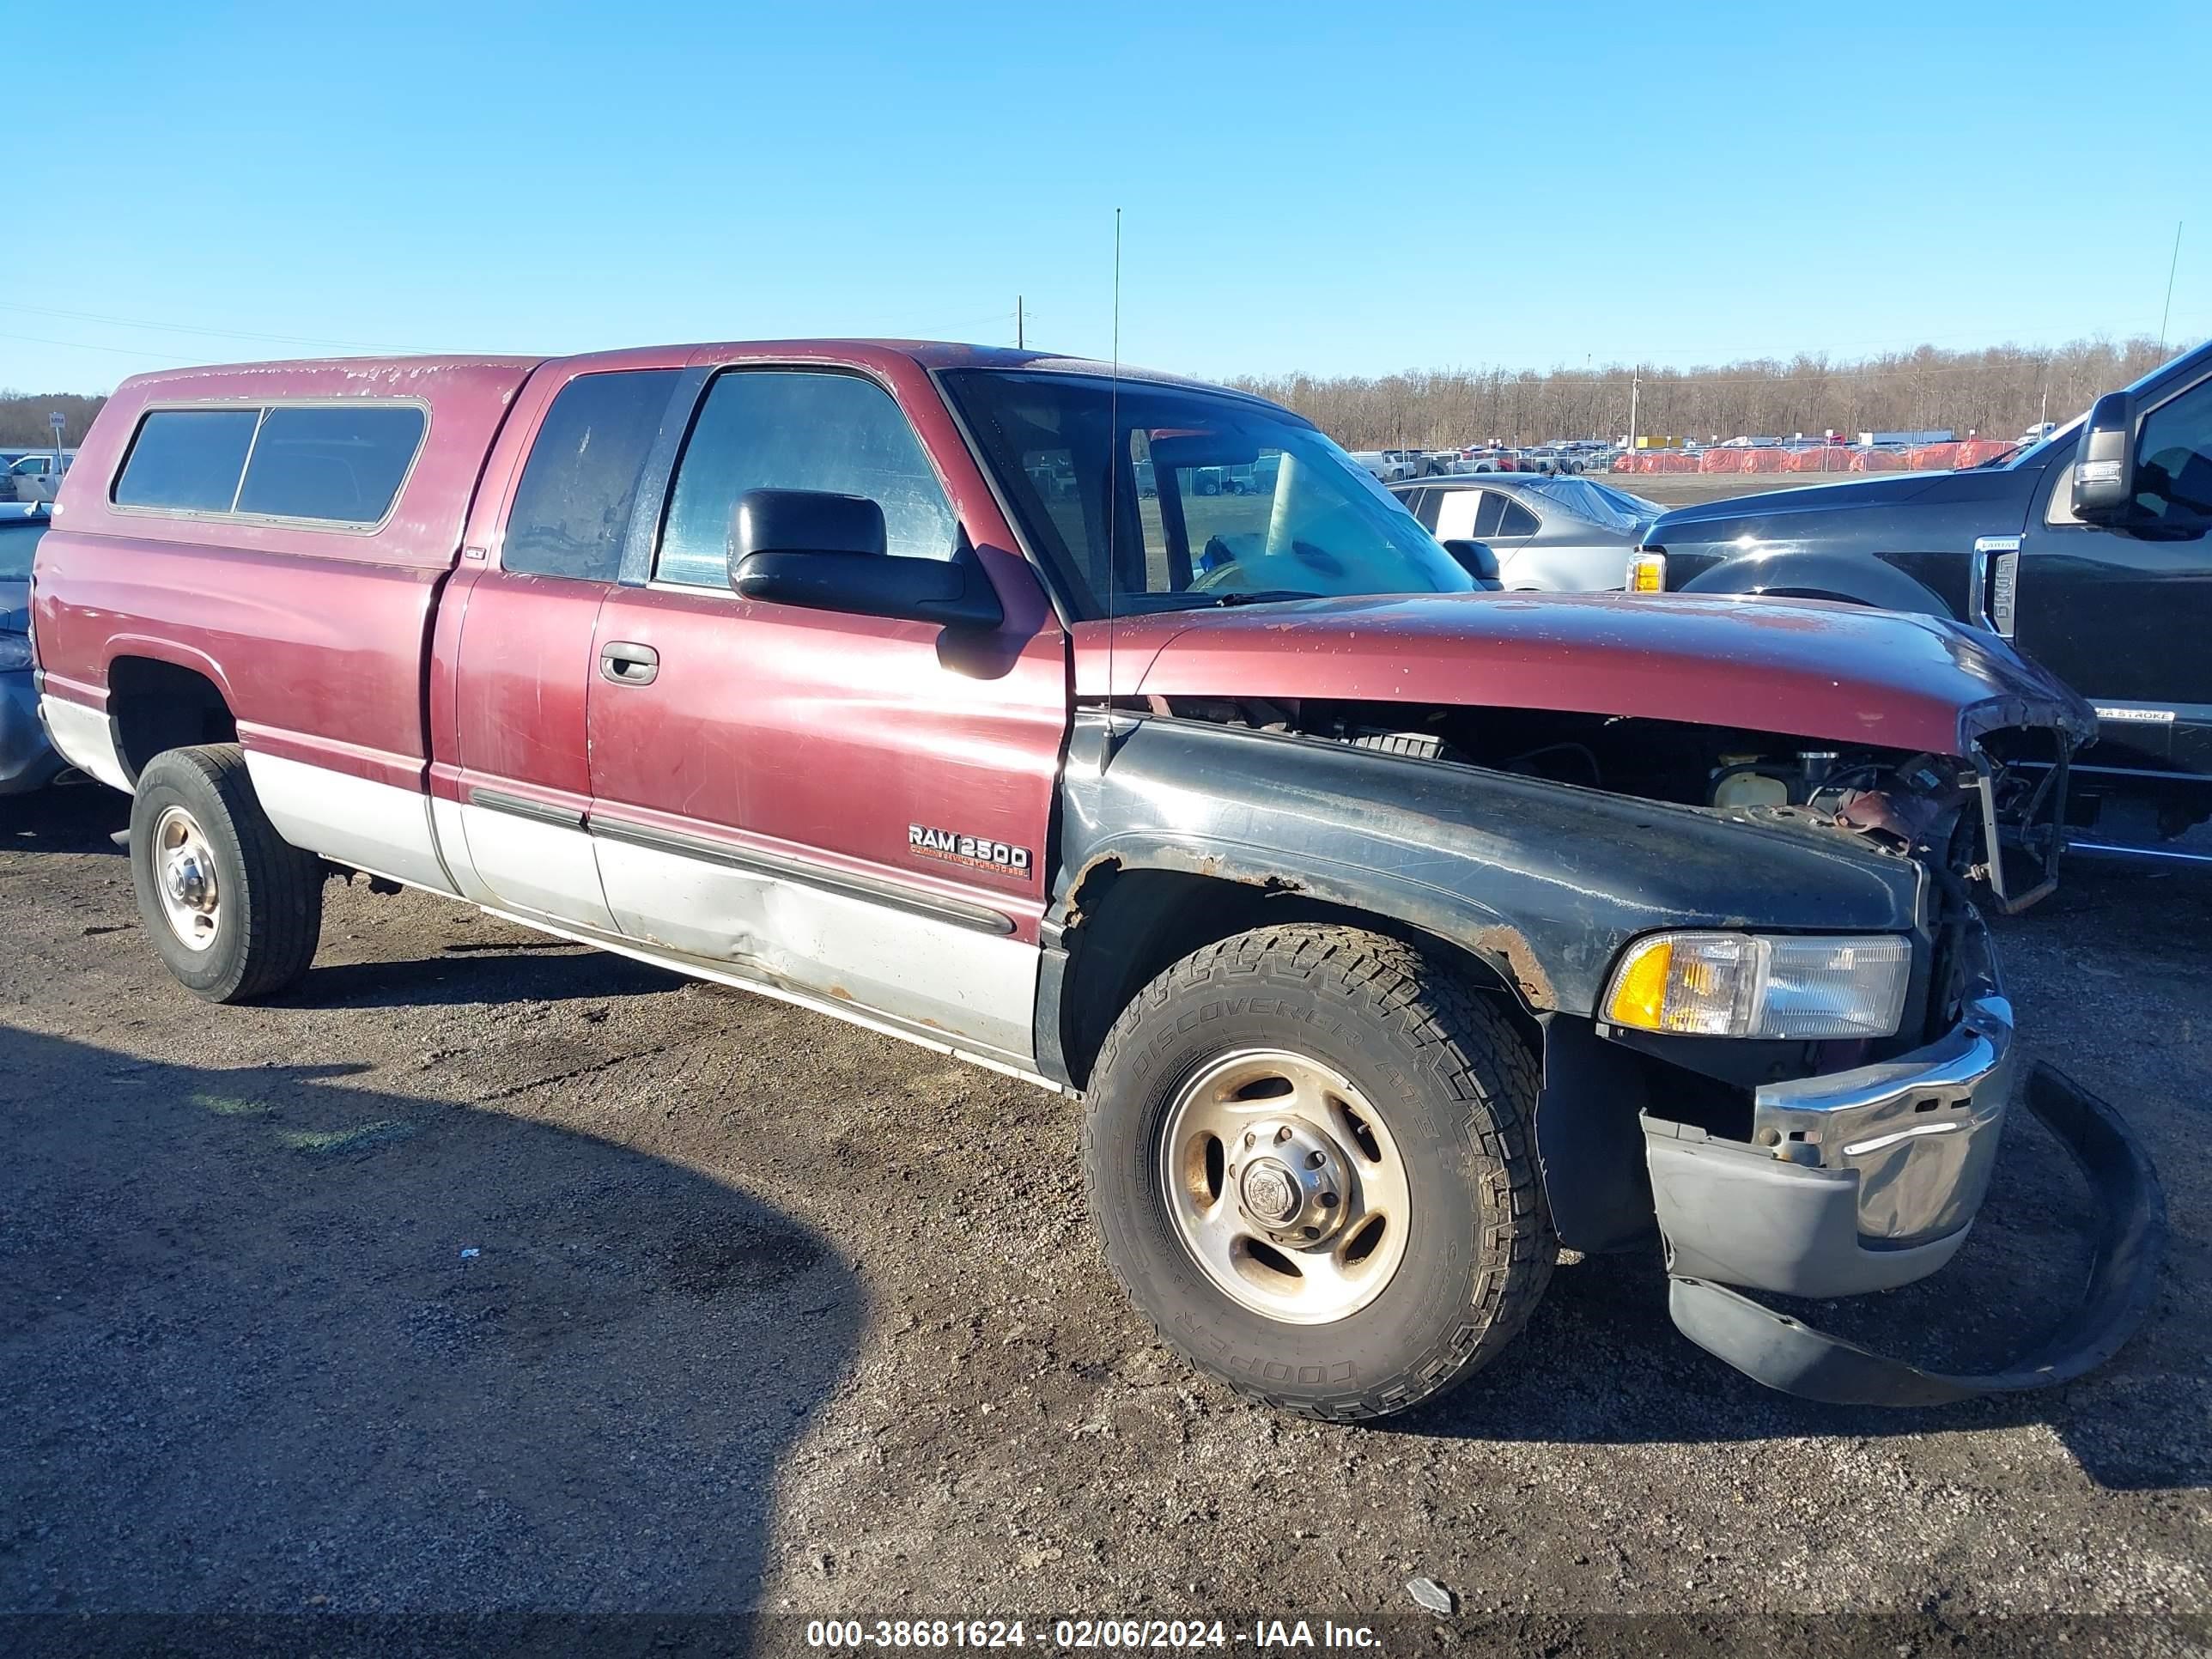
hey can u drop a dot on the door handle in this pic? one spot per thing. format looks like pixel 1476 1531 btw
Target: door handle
pixel 625 664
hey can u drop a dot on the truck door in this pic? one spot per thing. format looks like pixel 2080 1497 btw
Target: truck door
pixel 527 601
pixel 2124 616
pixel 850 810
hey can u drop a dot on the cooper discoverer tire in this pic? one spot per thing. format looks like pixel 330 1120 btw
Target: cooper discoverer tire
pixel 233 908
pixel 1262 1117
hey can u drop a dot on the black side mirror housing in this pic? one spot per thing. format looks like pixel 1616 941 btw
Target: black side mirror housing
pixel 826 552
pixel 1477 559
pixel 2105 464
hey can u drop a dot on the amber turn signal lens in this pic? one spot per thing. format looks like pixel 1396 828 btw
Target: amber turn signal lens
pixel 1647 572
pixel 1639 991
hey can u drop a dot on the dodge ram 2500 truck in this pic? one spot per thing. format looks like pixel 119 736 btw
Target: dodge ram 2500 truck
pixel 1394 933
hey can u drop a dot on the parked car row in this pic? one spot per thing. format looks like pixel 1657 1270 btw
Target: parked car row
pixel 1392 466
pixel 1127 736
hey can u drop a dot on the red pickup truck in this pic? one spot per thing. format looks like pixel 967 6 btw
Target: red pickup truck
pixel 1394 933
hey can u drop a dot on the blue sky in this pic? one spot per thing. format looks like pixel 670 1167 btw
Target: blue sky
pixel 1305 187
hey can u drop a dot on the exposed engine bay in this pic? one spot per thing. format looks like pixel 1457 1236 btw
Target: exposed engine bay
pixel 1962 815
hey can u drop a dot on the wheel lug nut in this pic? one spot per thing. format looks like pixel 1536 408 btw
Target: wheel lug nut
pixel 1282 1134
pixel 1247 1137
pixel 1328 1200
pixel 1313 1232
pixel 1315 1160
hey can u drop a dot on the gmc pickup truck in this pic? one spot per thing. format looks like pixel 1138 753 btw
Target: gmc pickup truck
pixel 1392 932
pixel 2114 593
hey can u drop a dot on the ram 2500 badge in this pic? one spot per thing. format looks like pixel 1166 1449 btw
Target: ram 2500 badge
pixel 1392 932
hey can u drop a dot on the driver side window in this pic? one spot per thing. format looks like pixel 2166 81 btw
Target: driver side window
pixel 798 430
pixel 2174 462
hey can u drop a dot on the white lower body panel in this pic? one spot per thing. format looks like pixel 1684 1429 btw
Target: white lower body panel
pixel 976 988
pixel 527 864
pixel 83 737
pixel 377 827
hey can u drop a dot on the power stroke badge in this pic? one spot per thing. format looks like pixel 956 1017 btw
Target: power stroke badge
pixel 977 851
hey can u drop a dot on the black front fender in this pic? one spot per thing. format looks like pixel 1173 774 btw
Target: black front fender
pixel 1545 881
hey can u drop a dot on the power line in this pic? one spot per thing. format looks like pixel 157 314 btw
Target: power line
pixel 80 345
pixel 215 333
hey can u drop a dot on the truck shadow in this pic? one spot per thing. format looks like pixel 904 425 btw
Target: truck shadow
pixel 274 1342
pixel 78 815
pixel 1600 1362
pixel 498 972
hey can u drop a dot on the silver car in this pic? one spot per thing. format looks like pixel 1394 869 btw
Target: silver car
pixel 1557 535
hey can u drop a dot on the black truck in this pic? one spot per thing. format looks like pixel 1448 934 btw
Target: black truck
pixel 2089 550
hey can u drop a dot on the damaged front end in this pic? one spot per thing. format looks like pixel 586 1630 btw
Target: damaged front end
pixel 1868 1179
pixel 1991 817
pixel 1812 809
pixel 1804 1167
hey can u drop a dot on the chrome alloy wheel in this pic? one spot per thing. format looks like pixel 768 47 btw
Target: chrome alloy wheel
pixel 1285 1186
pixel 184 875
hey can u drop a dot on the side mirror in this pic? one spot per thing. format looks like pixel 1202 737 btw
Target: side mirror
pixel 811 548
pixel 2105 465
pixel 1478 560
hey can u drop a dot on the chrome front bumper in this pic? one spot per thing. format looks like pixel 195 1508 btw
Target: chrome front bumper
pixel 1870 1179
pixel 1861 1181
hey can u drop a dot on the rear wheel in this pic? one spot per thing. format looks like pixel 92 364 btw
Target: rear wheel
pixel 1307 1150
pixel 233 910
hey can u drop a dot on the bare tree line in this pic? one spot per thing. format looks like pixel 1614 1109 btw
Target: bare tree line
pixel 23 423
pixel 1997 393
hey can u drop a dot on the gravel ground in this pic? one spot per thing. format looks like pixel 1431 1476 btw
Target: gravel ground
pixel 487 1275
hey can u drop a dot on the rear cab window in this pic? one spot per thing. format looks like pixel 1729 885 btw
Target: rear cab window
pixel 571 512
pixel 340 464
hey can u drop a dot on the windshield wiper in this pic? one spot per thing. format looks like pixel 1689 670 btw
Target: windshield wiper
pixel 1261 596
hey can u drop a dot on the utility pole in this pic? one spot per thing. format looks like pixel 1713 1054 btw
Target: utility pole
pixel 1021 338
pixel 1635 387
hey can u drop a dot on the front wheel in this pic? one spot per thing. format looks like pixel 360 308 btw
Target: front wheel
pixel 233 910
pixel 1307 1149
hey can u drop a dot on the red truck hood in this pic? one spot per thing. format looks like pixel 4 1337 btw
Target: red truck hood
pixel 1838 672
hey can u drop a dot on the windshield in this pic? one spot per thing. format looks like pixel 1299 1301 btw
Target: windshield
pixel 1596 503
pixel 17 542
pixel 1216 500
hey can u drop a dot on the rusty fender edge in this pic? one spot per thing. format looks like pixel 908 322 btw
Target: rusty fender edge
pixel 1789 1355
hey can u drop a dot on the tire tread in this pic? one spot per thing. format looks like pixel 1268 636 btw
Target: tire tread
pixel 283 902
pixel 1456 1028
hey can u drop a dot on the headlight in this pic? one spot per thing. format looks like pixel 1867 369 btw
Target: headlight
pixel 15 651
pixel 1744 986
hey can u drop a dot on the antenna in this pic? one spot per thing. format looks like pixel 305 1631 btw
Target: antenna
pixel 1113 481
pixel 2165 316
